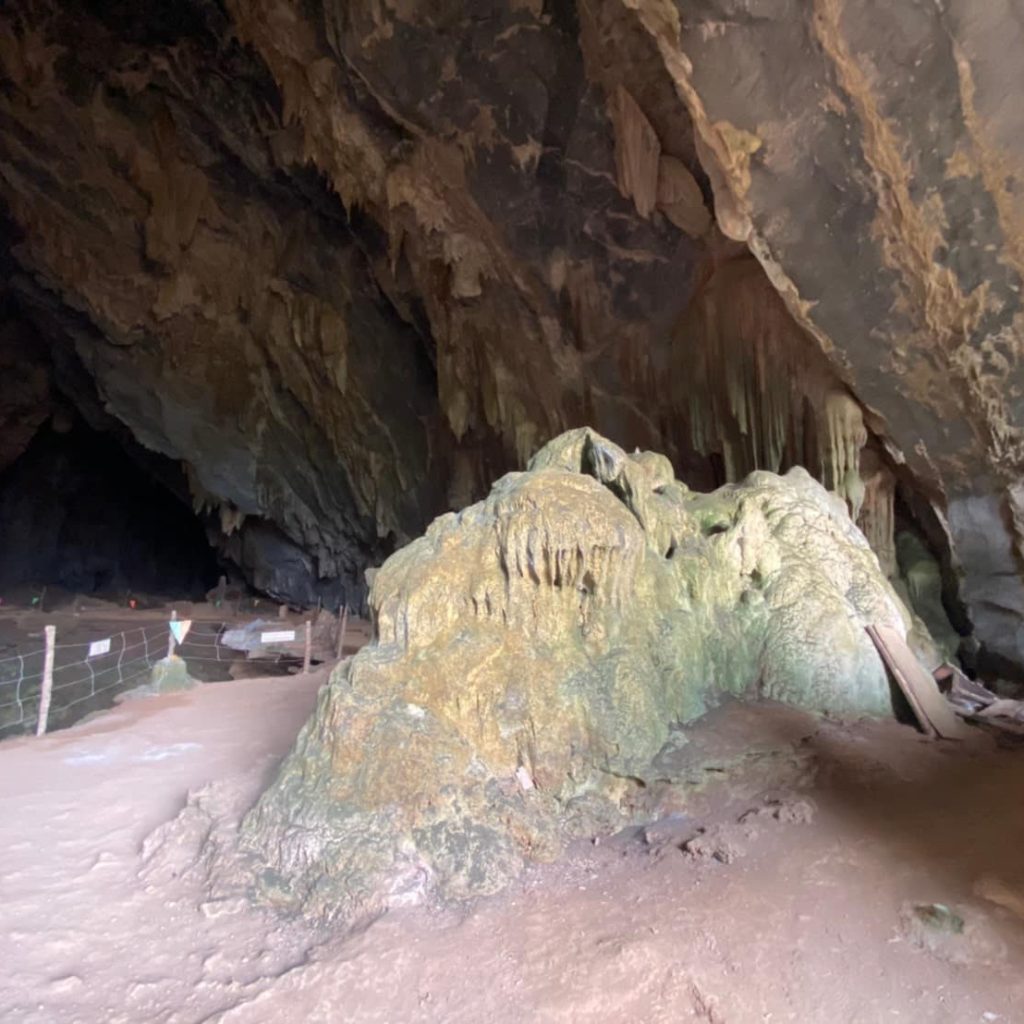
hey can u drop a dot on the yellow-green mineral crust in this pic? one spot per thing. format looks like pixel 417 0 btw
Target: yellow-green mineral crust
pixel 532 653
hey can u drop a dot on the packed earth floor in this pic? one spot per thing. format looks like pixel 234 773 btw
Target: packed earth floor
pixel 819 872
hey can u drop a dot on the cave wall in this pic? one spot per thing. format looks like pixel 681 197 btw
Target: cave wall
pixel 224 314
pixel 349 261
pixel 871 155
pixel 343 353
pixel 26 400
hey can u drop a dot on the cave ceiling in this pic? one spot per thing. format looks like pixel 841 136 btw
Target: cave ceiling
pixel 347 262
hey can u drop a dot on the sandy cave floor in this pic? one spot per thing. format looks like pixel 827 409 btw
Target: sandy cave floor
pixel 796 903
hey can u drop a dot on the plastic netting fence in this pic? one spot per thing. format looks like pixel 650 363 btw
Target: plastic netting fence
pixel 87 675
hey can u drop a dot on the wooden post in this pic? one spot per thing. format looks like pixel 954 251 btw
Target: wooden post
pixel 308 657
pixel 170 634
pixel 342 626
pixel 282 612
pixel 47 689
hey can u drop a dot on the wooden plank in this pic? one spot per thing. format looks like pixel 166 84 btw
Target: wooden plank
pixel 932 710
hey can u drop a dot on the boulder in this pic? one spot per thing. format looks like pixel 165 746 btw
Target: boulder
pixel 531 655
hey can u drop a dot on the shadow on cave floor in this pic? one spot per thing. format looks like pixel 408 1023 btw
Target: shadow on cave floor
pixel 815 871
pixel 946 817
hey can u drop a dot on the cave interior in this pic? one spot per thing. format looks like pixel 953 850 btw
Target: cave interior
pixel 234 343
pixel 89 510
pixel 285 283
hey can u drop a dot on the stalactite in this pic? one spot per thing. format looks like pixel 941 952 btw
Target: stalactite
pixel 757 391
pixel 637 152
pixel 680 197
pixel 842 440
pixel 203 502
pixel 742 368
pixel 877 514
pixel 231 519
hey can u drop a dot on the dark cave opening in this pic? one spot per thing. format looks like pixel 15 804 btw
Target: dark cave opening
pixel 78 513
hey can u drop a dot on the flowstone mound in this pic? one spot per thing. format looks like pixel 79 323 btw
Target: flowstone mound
pixel 533 652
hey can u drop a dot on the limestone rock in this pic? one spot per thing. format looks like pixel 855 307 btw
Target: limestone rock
pixel 680 197
pixel 553 633
pixel 170 675
pixel 885 133
pixel 351 261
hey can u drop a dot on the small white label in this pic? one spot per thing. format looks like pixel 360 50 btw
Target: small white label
pixel 99 647
pixel 281 636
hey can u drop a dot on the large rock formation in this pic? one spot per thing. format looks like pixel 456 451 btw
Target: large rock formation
pixel 532 653
pixel 869 155
pixel 349 261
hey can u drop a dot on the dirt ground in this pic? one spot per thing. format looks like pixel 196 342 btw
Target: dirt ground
pixel 823 874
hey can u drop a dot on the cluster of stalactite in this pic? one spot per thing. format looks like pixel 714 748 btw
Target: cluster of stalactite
pixel 756 392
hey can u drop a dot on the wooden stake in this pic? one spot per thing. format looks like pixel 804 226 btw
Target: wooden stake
pixel 342 626
pixel 308 657
pixel 47 690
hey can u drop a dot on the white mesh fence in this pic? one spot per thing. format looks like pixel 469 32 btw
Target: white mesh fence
pixel 84 672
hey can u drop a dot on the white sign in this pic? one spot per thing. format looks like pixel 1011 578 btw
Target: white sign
pixel 282 636
pixel 99 647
